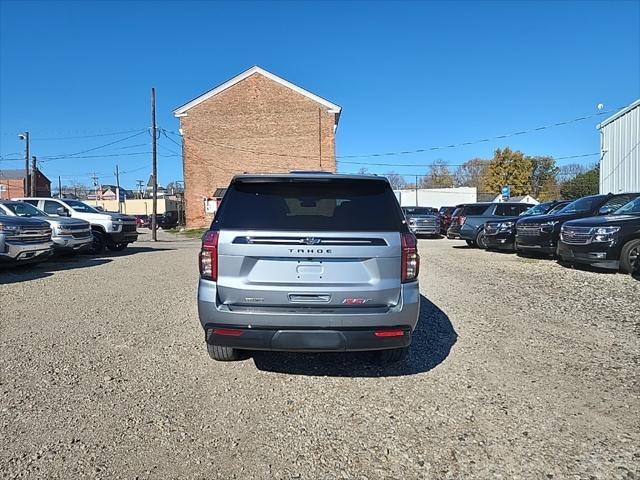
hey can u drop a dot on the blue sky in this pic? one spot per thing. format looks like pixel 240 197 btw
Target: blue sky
pixel 408 75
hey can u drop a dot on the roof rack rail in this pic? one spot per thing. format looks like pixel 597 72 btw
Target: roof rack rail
pixel 319 172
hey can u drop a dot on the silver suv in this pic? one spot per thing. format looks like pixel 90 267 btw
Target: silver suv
pixel 308 262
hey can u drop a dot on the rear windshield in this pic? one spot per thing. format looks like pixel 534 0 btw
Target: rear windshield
pixel 419 210
pixel 338 205
pixel 471 210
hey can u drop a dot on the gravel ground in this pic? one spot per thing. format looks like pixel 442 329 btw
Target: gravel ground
pixel 520 369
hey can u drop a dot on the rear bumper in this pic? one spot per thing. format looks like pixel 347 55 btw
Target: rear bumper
pixel 596 255
pixel 331 329
pixel 425 230
pixel 453 232
pixel 308 340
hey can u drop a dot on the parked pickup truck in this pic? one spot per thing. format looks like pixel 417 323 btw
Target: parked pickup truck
pixel 112 230
pixel 67 234
pixel 24 240
pixel 422 220
pixel 611 241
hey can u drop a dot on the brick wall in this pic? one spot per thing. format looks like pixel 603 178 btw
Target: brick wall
pixel 226 135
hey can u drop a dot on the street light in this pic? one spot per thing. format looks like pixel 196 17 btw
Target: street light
pixel 25 136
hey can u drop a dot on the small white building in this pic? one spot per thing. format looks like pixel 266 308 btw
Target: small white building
pixel 620 151
pixel 436 197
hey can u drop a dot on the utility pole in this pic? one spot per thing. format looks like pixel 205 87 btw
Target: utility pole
pixel 118 188
pixel 416 190
pixel 95 179
pixel 139 184
pixel 59 187
pixel 154 167
pixel 25 136
pixel 33 176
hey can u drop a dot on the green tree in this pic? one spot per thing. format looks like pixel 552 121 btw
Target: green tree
pixel 587 183
pixel 509 168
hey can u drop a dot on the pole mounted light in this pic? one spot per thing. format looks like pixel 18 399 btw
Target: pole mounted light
pixel 25 136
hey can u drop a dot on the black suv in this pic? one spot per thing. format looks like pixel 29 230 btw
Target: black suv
pixel 472 217
pixel 606 242
pixel 541 234
pixel 501 234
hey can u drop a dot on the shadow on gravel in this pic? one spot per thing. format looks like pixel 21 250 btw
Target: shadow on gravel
pixel 432 341
pixel 463 247
pixel 23 273
pixel 585 268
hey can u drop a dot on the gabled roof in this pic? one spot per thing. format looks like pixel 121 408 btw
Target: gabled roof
pixel 182 110
pixel 619 114
pixel 13 174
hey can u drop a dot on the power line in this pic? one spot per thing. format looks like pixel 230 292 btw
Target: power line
pixel 405 152
pixel 87 136
pixel 68 155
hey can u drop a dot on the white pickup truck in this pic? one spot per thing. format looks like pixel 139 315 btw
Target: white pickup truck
pixel 111 230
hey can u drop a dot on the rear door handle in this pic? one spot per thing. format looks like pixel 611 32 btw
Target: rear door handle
pixel 309 298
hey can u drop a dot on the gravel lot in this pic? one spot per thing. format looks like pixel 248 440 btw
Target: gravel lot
pixel 520 369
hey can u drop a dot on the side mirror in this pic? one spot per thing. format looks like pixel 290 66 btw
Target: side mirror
pixel 62 212
pixel 605 211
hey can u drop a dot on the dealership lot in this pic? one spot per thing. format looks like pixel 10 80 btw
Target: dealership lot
pixel 520 368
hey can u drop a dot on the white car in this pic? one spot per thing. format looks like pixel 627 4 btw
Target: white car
pixel 111 230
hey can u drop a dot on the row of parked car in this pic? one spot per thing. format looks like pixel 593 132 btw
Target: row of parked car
pixel 598 230
pixel 33 228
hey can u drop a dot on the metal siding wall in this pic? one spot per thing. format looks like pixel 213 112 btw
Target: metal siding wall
pixel 620 164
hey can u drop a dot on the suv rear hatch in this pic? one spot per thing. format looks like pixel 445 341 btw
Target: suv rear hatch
pixel 304 242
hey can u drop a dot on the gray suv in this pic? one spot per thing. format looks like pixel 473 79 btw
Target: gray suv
pixel 308 262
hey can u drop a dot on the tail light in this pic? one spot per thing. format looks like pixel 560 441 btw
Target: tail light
pixel 461 220
pixel 209 256
pixel 410 258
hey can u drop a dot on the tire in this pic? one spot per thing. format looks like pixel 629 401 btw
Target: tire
pixel 471 243
pixel 226 354
pixel 481 240
pixel 98 244
pixel 117 247
pixel 629 255
pixel 393 356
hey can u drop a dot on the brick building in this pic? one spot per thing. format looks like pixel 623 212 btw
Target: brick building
pixel 12 184
pixel 255 122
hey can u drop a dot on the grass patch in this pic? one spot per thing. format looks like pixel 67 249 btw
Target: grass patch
pixel 190 233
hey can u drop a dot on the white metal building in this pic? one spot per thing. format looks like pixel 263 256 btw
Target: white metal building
pixel 620 151
pixel 436 197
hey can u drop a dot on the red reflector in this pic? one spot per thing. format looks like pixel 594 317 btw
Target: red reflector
pixel 389 333
pixel 228 332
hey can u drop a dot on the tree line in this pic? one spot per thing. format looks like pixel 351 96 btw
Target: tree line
pixel 538 176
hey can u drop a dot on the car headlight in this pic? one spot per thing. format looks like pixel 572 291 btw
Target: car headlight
pixel 548 226
pixel 506 225
pixel 605 234
pixel 62 230
pixel 9 229
pixel 116 225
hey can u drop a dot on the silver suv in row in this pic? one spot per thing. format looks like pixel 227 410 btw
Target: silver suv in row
pixel 308 262
pixel 24 240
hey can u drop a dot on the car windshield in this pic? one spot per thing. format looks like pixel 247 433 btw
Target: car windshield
pixel 418 210
pixel 557 207
pixel 80 206
pixel 631 208
pixel 582 205
pixel 22 209
pixel 539 209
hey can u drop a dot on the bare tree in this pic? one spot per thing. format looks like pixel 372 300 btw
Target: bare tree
pixel 570 170
pixel 471 173
pixel 438 176
pixel 363 171
pixel 396 180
